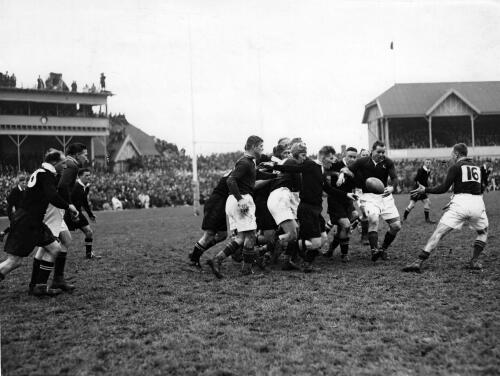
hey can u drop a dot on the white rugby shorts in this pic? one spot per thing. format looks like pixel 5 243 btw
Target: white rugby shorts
pixel 465 207
pixel 282 205
pixel 54 219
pixel 238 220
pixel 374 204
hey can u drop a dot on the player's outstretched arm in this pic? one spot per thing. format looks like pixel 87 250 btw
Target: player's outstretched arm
pixel 441 188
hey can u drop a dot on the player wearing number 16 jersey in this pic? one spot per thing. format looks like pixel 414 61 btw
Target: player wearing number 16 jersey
pixel 466 205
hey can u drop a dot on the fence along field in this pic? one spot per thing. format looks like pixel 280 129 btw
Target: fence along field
pixel 142 310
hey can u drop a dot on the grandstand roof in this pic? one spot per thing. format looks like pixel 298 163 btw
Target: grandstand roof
pixel 418 99
pixel 143 143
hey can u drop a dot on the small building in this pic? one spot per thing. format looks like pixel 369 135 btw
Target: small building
pixel 125 142
pixel 419 120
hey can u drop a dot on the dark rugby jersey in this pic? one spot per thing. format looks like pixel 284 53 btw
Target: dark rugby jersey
pixel 313 182
pixel 465 176
pixel 79 198
pixel 349 182
pixel 364 168
pixel 241 181
pixel 221 188
pixel 287 179
pixel 68 172
pixel 422 177
pixel 41 191
pixel 14 199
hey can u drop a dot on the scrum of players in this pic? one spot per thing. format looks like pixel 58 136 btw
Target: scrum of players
pixel 274 206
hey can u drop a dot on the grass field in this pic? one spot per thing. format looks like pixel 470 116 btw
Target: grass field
pixel 142 311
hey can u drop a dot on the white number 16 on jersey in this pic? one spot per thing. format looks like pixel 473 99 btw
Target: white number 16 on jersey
pixel 471 173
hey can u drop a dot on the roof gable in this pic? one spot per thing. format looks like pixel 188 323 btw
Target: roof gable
pixel 416 99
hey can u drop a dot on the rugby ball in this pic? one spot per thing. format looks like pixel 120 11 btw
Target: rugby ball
pixel 374 185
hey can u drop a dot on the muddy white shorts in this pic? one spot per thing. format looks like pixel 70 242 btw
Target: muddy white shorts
pixel 384 207
pixel 54 219
pixel 282 205
pixel 238 220
pixel 465 207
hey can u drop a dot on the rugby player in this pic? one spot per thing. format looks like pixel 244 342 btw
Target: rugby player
pixel 363 220
pixel 214 221
pixel 14 200
pixel 240 207
pixel 312 224
pixel 422 178
pixel 67 171
pixel 80 200
pixel 377 165
pixel 466 205
pixel 283 204
pixel 342 212
pixel 28 229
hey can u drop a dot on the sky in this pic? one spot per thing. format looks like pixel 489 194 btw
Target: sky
pixel 233 68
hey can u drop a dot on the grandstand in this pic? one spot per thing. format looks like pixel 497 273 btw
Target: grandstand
pixel 419 120
pixel 33 120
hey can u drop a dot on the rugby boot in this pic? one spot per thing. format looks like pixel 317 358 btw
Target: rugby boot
pixel 43 290
pixel 60 283
pixel 383 254
pixel 307 267
pixel 215 266
pixel 375 254
pixel 93 256
pixel 415 267
pixel 289 264
pixel 194 258
pixel 474 264
pixel 246 268
pixel 344 257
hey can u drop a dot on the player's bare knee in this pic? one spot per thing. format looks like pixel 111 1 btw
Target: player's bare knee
pixel 395 227
pixel 220 236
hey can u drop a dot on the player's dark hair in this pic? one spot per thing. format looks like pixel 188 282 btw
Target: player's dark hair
pixel 351 148
pixel 377 144
pixel 326 150
pixel 282 139
pixel 53 156
pixel 253 141
pixel 82 171
pixel 295 140
pixel 460 149
pixel 76 148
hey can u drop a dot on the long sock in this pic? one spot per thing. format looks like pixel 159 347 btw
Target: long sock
pixel 335 242
pixel 34 272
pixel 364 227
pixel 478 248
pixel 231 248
pixel 88 246
pixel 45 268
pixel 388 239
pixel 405 215
pixel 249 255
pixel 197 251
pixel 344 246
pixel 426 213
pixel 373 239
pixel 59 265
pixel 2 277
pixel 423 255
pixel 311 255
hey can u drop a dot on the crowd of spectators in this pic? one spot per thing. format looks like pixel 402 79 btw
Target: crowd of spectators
pixel 7 80
pixel 166 181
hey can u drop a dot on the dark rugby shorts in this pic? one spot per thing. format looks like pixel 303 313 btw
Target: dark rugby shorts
pixel 338 209
pixel 214 214
pixel 312 223
pixel 419 197
pixel 75 224
pixel 27 233
pixel 265 220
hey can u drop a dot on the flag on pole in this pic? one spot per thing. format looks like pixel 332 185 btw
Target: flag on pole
pixel 392 45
